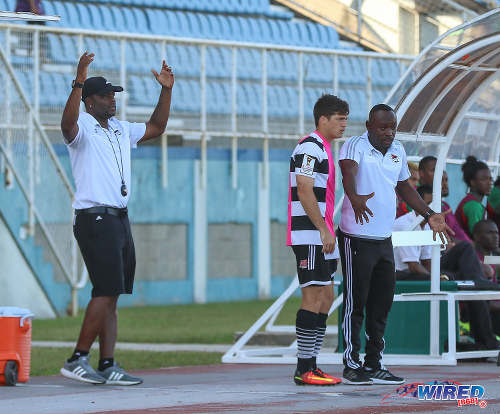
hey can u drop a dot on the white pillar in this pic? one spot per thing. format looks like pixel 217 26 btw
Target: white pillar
pixel 264 233
pixel 200 235
pixel 436 254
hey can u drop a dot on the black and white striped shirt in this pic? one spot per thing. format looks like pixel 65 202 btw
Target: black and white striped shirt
pixel 312 157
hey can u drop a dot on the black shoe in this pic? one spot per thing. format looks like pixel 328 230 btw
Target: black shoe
pixel 382 376
pixel 356 376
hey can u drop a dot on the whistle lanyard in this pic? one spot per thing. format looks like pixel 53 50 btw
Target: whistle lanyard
pixel 123 188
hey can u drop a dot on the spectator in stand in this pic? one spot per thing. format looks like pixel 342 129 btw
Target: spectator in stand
pixel 477 176
pixel 404 208
pixel 426 169
pixel 457 263
pixel 485 234
pixel 31 6
pixel 494 201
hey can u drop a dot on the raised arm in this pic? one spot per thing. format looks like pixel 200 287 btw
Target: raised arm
pixel 349 170
pixel 69 125
pixel 158 121
pixel 305 192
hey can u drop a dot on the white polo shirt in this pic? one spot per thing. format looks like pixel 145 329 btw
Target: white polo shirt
pixel 95 170
pixel 405 254
pixel 376 173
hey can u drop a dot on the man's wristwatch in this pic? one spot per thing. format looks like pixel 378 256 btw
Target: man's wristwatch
pixel 427 215
pixel 76 84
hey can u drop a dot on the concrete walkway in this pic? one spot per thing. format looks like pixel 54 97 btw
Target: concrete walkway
pixel 142 347
pixel 237 388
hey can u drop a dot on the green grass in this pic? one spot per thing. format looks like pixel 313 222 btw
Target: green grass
pixel 212 323
pixel 48 361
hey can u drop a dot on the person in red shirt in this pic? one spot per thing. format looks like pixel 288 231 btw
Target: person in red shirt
pixel 477 176
pixel 426 169
pixel 404 208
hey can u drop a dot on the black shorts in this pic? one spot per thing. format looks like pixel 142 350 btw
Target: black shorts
pixel 312 268
pixel 108 251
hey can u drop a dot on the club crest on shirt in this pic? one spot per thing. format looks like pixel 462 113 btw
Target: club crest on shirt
pixel 308 165
pixel 394 157
pixel 303 264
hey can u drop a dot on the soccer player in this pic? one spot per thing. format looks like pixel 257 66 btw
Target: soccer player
pixel 310 233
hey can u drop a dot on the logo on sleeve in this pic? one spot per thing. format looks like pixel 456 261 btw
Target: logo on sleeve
pixel 394 157
pixel 307 165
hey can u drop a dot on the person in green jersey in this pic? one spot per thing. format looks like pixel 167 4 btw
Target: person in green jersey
pixel 470 210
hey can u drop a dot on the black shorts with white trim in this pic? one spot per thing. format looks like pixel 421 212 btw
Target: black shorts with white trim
pixel 312 267
pixel 107 247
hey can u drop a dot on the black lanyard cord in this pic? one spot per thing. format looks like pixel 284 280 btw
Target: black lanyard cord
pixel 114 153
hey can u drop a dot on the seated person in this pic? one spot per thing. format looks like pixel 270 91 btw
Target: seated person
pixel 494 201
pixel 485 234
pixel 477 176
pixel 402 207
pixel 459 262
pixel 426 169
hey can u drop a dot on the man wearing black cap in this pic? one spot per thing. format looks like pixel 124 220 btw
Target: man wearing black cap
pixel 99 149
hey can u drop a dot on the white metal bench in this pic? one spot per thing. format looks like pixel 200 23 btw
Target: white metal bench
pixel 287 355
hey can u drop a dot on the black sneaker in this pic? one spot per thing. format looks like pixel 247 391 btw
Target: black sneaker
pixel 382 376
pixel 355 377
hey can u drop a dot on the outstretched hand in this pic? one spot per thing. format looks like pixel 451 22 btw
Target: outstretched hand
pixel 361 211
pixel 438 224
pixel 83 66
pixel 166 77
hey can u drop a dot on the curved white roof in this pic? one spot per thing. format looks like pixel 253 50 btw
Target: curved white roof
pixel 451 94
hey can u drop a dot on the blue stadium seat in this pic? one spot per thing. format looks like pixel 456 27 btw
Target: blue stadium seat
pixel 218 98
pixel 96 17
pixel 357 103
pixel 249 99
pixel 302 34
pixel 68 13
pixel 385 72
pixel 85 16
pixel 249 63
pixel 290 65
pixel 58 52
pixel 192 96
pixel 47 89
pixel 26 81
pixel 70 48
pixel 359 66
pixel 318 68
pixel 50 10
pixel 141 19
pixel 154 22
pixel 137 97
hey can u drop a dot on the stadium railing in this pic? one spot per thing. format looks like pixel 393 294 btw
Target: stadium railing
pixel 223 89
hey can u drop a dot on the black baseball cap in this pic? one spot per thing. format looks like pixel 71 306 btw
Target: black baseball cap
pixel 98 85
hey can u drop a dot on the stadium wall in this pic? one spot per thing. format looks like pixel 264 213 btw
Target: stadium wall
pixel 163 226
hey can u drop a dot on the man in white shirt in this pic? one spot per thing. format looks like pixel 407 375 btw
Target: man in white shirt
pixel 373 166
pixel 413 262
pixel 99 149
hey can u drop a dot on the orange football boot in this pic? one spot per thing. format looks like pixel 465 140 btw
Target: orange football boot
pixel 310 378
